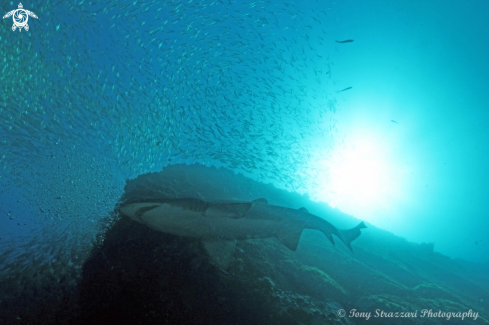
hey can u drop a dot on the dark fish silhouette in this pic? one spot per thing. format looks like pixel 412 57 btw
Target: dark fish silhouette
pixel 339 91
pixel 394 122
pixel 345 41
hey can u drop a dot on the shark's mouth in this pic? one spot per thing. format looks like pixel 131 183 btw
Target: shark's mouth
pixel 140 212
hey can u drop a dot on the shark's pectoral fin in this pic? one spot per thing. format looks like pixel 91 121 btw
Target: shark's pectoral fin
pixel 303 210
pixel 290 237
pixel 229 210
pixel 220 251
pixel 263 201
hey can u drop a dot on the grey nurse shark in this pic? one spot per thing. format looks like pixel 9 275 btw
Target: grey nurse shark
pixel 219 224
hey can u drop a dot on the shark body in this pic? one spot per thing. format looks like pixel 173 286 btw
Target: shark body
pixel 220 224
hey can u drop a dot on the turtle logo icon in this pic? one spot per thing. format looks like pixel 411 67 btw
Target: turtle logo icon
pixel 20 16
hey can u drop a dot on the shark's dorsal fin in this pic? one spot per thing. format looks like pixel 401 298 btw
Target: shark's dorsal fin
pixel 290 238
pixel 220 251
pixel 261 200
pixel 303 210
pixel 228 210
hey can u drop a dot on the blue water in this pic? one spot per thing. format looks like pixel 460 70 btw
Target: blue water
pixel 97 93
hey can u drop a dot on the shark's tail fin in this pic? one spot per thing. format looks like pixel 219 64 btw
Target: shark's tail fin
pixel 349 235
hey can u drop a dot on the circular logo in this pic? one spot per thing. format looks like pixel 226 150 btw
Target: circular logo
pixel 341 312
pixel 20 18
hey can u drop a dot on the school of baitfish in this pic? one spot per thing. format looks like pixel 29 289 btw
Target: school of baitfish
pixel 100 91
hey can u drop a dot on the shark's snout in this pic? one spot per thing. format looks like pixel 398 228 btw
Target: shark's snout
pixel 136 210
pixel 128 210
